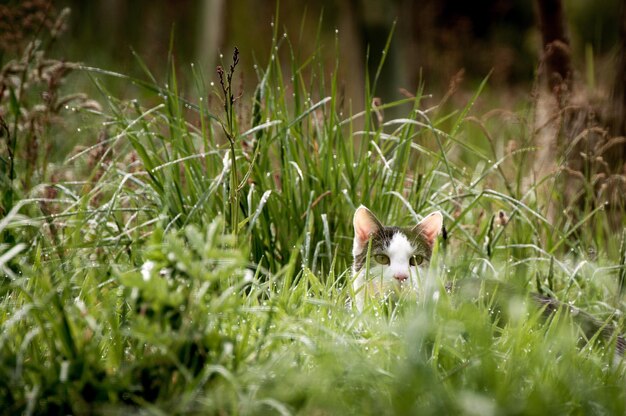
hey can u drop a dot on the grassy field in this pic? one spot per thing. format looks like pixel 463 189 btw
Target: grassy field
pixel 195 257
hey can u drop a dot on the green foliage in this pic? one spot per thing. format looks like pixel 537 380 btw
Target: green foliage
pixel 201 264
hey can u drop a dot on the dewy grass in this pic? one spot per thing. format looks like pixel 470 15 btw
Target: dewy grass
pixel 163 292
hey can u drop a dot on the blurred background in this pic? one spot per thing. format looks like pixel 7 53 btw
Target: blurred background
pixel 433 39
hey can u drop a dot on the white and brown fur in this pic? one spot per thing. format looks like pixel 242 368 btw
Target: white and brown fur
pixel 405 250
pixel 401 245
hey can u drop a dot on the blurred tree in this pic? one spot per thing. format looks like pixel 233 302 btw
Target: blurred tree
pixel 211 33
pixel 574 126
pixel 104 32
pixel 618 95
pixel 557 60
pixel 442 37
pixel 368 24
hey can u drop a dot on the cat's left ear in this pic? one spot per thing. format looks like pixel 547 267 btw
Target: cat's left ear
pixel 430 227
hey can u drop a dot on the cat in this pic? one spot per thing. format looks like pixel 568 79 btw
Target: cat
pixel 396 253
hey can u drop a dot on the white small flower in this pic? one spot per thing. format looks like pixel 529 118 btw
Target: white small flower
pixel 146 270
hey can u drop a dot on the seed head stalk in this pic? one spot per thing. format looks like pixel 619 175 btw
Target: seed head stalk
pixel 230 130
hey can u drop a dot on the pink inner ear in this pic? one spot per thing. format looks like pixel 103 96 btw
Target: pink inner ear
pixel 365 224
pixel 430 227
pixel 362 234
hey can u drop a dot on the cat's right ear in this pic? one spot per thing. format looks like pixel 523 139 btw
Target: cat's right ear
pixel 365 224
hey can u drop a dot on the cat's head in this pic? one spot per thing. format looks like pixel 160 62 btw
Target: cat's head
pixel 396 252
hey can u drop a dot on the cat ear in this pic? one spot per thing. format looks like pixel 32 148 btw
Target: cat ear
pixel 430 227
pixel 365 224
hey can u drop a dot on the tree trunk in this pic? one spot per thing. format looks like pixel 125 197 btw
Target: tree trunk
pixel 567 129
pixel 557 60
pixel 211 34
pixel 555 73
pixel 557 121
pixel 618 94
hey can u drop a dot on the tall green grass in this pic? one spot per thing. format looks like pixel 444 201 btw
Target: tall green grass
pixel 201 262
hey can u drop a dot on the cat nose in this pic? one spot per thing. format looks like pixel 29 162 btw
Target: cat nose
pixel 400 277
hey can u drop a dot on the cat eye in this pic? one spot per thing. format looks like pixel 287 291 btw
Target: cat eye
pixel 416 260
pixel 381 259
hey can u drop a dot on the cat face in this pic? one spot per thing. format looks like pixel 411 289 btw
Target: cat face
pixel 396 253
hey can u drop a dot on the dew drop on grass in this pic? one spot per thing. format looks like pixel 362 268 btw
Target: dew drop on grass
pixel 336 31
pixel 65 366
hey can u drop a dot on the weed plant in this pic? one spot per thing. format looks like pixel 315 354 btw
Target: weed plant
pixel 196 258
